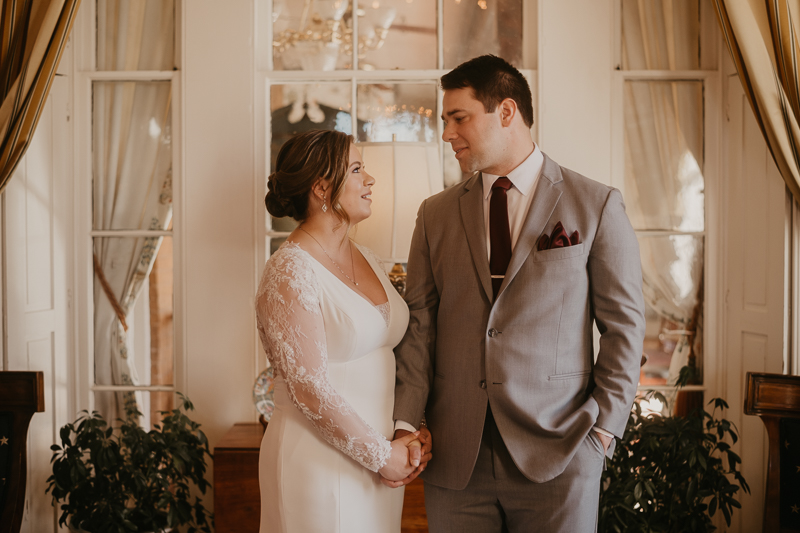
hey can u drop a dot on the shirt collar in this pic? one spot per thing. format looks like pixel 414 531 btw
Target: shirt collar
pixel 523 178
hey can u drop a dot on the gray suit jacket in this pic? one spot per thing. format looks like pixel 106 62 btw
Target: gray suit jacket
pixel 530 352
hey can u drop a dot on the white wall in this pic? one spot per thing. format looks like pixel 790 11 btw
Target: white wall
pixel 576 59
pixel 219 238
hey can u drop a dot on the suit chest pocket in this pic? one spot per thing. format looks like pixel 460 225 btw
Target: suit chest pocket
pixel 559 254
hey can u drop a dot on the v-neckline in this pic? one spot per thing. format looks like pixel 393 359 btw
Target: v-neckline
pixel 351 289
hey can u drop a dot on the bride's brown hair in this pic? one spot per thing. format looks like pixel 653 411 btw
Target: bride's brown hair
pixel 302 161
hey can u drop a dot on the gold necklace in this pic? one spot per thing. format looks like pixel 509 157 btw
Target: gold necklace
pixel 352 265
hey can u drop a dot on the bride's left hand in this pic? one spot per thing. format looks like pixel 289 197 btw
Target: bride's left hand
pixel 426 442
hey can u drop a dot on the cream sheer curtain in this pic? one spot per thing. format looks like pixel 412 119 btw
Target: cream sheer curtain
pixel 132 186
pixel 664 183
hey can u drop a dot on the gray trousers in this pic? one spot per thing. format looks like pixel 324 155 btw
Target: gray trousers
pixel 498 498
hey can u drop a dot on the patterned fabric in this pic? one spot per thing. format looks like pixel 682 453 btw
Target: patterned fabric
pixel 385 310
pixel 31 43
pixel 790 473
pixel 763 44
pixel 293 335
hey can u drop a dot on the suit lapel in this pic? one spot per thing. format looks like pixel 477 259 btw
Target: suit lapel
pixel 471 204
pixel 544 202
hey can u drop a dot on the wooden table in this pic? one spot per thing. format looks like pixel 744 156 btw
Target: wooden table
pixel 237 503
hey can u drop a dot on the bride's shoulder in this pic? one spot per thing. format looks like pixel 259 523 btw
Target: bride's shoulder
pixel 289 276
pixel 290 263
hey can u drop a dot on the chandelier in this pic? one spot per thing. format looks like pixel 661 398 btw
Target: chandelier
pixel 325 33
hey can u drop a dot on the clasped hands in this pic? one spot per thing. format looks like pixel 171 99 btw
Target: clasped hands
pixel 410 455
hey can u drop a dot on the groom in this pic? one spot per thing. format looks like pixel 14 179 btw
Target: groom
pixel 506 275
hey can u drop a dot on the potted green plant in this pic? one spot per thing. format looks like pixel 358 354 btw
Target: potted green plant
pixel 127 479
pixel 672 473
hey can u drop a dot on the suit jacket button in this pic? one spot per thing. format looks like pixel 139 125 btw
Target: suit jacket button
pixel 493 333
pixel 483 383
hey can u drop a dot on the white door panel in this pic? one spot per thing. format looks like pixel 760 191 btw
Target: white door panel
pixel 37 203
pixel 754 253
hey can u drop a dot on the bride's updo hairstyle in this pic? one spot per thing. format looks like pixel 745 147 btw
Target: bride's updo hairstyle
pixel 302 161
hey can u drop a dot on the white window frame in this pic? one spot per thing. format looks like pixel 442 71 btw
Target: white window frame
pixel 713 261
pixel 84 74
pixel 355 76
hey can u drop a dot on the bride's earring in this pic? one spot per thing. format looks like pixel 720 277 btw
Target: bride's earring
pixel 324 205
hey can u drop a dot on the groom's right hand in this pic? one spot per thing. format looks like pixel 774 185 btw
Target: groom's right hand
pixel 399 466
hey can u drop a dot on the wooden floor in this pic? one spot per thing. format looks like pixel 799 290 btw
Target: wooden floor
pixel 414 518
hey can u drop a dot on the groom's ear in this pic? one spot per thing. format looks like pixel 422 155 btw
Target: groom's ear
pixel 508 110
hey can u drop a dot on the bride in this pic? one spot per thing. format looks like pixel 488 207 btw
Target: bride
pixel 329 319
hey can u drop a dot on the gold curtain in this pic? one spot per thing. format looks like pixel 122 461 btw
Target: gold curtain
pixel 762 36
pixel 33 34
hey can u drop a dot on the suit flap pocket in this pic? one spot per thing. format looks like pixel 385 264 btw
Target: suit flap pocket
pixel 569 375
pixel 557 254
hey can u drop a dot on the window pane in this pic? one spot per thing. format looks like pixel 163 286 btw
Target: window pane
pixel 131 155
pixel 672 272
pixel 477 27
pixel 274 244
pixel 287 224
pixel 661 35
pixel 397 34
pixel 301 107
pixel 133 311
pixel 664 184
pixel 392 34
pixel 311 35
pixel 112 406
pixel 407 110
pixel 658 346
pixel 135 35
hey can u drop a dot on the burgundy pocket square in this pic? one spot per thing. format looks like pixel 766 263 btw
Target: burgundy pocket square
pixel 558 239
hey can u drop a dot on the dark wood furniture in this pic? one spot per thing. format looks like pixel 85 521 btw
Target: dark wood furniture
pixel 775 398
pixel 237 507
pixel 237 504
pixel 21 395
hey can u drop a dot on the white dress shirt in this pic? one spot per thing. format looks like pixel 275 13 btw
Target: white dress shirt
pixel 520 197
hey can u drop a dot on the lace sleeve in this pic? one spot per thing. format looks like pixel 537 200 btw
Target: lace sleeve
pixel 293 335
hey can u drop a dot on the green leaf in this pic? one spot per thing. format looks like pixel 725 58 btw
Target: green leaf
pixel 692 490
pixel 701 458
pixel 64 434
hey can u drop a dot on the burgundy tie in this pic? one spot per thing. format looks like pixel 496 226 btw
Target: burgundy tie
pixel 499 232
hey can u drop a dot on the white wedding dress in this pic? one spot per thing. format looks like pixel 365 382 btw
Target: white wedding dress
pixel 334 396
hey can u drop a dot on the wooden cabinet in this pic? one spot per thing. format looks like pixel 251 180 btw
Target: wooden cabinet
pixel 237 503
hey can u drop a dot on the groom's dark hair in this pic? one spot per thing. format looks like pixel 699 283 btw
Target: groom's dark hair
pixel 492 79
